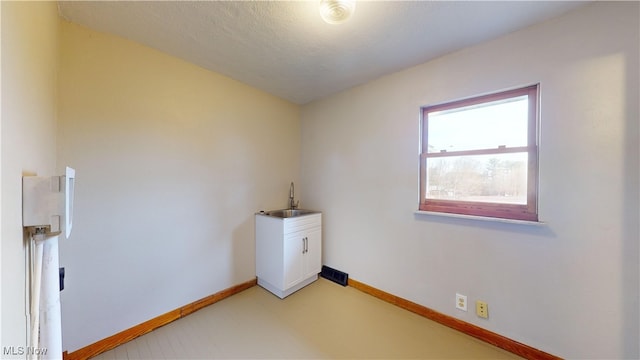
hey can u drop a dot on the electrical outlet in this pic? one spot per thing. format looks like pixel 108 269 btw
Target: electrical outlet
pixel 482 309
pixel 461 302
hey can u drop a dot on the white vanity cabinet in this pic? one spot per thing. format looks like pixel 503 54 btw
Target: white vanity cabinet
pixel 288 252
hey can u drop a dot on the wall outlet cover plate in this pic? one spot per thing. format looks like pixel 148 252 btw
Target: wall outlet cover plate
pixel 461 302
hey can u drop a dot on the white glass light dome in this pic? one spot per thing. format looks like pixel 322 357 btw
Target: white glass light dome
pixel 336 11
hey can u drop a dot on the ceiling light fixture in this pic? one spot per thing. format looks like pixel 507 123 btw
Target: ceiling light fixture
pixel 336 11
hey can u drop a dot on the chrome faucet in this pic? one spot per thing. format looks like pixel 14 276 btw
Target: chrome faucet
pixel 292 204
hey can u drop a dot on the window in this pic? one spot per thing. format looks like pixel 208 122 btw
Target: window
pixel 480 156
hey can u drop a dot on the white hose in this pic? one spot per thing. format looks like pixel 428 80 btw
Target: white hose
pixel 36 283
pixel 46 322
pixel 50 315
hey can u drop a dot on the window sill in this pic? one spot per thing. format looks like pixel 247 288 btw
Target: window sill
pixel 480 218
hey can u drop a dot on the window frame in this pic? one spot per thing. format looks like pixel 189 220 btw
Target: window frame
pixel 528 211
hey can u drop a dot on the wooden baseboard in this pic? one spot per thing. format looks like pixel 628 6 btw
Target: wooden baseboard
pixel 477 332
pixel 148 326
pixel 120 338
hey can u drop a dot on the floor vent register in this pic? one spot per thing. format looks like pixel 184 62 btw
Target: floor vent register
pixel 334 275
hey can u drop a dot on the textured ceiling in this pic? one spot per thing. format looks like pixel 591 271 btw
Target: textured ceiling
pixel 284 47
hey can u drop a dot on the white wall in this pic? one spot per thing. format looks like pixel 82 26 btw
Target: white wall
pixel 202 153
pixel 172 161
pixel 28 142
pixel 569 287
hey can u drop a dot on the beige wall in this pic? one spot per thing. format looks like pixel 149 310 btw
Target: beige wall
pixel 569 287
pixel 172 161
pixel 29 61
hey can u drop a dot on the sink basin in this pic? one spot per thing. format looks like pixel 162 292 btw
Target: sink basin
pixel 287 213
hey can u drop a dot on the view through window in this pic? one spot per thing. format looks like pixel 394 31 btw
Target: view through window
pixel 479 156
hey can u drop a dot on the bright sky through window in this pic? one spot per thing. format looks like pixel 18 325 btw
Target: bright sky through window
pixel 500 123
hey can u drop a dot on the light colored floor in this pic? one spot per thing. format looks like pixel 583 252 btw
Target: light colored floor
pixel 322 321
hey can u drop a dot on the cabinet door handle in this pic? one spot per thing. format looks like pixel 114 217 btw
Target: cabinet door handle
pixel 304 247
pixel 306 244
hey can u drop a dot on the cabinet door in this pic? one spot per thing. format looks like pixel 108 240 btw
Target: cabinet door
pixel 313 256
pixel 294 245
